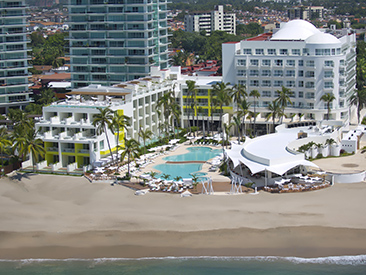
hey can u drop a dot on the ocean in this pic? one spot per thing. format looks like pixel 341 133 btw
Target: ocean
pixel 189 265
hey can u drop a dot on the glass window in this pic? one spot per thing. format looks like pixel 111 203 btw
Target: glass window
pixel 278 73
pixel 283 51
pixel 310 95
pixel 253 73
pixel 266 72
pixel 278 62
pixel 242 82
pixel 241 73
pixel 300 73
pixel 254 83
pixel 265 103
pixel 301 83
pixel 278 83
pixel 254 62
pixel 342 62
pixel 338 51
pixel 295 51
pixel 310 74
pixel 266 62
pixel 328 84
pixel 328 74
pixel 309 85
pixel 305 51
pixel 301 94
pixel 266 94
pixel 247 51
pixel 259 51
pixel 290 83
pixel 310 63
pixel 328 63
pixel 242 62
pixel 301 63
pixel 290 73
pixel 271 51
pixel 290 63
pixel 266 83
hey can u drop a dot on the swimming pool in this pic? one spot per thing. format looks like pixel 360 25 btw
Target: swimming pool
pixel 185 170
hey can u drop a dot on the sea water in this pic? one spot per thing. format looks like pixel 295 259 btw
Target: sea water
pixel 190 265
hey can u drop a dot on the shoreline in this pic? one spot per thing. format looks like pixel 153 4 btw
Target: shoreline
pixel 302 241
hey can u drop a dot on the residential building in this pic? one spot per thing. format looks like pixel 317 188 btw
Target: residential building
pixel 216 20
pixel 72 141
pixel 13 56
pixel 305 12
pixel 115 41
pixel 301 58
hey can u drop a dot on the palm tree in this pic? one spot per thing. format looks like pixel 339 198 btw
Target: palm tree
pixel 222 97
pixel 283 99
pixel 165 176
pixel 361 73
pixel 175 111
pixel 238 93
pixel 359 100
pixel 191 94
pixel 243 111
pixel 30 144
pixel 212 109
pixel 328 98
pixel 237 123
pixel 255 94
pixel 103 122
pixel 4 144
pixel 47 97
pixel 164 102
pixel 195 181
pixel 144 135
pixel 275 111
pixel 131 150
pixel 120 122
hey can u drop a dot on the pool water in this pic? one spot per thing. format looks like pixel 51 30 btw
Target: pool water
pixel 185 170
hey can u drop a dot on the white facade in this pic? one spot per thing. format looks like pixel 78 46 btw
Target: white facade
pixel 302 58
pixel 216 20
pixel 67 128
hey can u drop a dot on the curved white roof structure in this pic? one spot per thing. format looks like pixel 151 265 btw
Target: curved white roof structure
pixel 322 38
pixel 295 30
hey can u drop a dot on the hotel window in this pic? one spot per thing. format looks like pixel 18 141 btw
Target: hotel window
pixel 333 51
pixel 328 85
pixel 309 74
pixel 328 74
pixel 338 51
pixel 266 93
pixel 309 85
pixel 301 94
pixel 290 63
pixel 266 83
pixel 254 83
pixel 341 103
pixel 253 73
pixel 242 82
pixel 266 62
pixel 265 103
pixel 101 145
pixel 300 73
pixel 310 95
pixel 305 51
pixel 254 62
pixel 295 51
pixel 241 73
pixel 310 63
pixel 266 72
pixel 290 73
pixel 271 51
pixel 290 83
pixel 242 62
pixel 278 62
pixel 342 62
pixel 247 51
pixel 301 83
pixel 342 82
pixel 278 83
pixel 276 93
pixel 259 51
pixel 278 73
pixel 328 63
pixel 322 51
pixel 283 51
pixel 301 63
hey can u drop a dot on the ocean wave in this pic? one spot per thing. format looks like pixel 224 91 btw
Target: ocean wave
pixel 354 260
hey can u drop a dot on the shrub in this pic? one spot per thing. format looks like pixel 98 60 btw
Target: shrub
pixel 319 156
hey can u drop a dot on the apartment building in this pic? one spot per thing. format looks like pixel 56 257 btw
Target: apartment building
pixel 305 12
pixel 70 138
pixel 216 20
pixel 302 58
pixel 13 56
pixel 115 41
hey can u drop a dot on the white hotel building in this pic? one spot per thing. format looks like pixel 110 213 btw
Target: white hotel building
pixel 302 58
pixel 70 138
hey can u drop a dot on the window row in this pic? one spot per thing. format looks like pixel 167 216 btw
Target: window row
pixel 280 62
pixel 305 51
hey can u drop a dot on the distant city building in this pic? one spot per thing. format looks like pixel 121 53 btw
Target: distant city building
pixel 115 41
pixel 305 12
pixel 216 20
pixel 301 58
pixel 13 56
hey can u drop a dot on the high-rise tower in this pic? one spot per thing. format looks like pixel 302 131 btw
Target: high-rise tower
pixel 13 56
pixel 116 40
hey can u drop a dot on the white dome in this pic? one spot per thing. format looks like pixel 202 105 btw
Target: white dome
pixel 295 30
pixel 322 38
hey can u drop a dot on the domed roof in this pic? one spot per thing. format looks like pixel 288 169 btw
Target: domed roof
pixel 322 38
pixel 295 30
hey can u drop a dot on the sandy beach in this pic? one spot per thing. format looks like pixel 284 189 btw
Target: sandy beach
pixel 46 216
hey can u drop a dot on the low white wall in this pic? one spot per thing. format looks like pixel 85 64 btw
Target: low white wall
pixel 71 167
pixel 41 165
pixel 56 166
pixel 26 163
pixel 349 178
